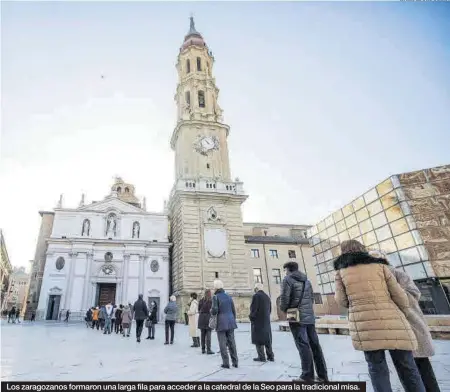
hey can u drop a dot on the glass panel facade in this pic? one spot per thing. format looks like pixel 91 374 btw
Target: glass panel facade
pixel 381 219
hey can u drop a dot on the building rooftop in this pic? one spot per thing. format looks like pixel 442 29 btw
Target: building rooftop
pixel 266 239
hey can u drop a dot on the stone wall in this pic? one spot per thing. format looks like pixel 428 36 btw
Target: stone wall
pixel 428 192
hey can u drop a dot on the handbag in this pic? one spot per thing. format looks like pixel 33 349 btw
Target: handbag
pixel 293 314
pixel 213 318
pixel 147 323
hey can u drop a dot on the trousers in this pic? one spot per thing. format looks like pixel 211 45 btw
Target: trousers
pixel 226 341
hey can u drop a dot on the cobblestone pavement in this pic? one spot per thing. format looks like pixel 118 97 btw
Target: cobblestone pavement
pixel 72 352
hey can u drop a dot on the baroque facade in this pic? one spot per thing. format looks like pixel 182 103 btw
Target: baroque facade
pixel 18 288
pixel 407 216
pixel 5 270
pixel 106 251
pixel 205 203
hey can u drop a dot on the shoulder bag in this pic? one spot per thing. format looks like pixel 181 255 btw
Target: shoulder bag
pixel 213 318
pixel 293 314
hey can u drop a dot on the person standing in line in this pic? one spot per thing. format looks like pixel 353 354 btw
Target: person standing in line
pixel 140 311
pixel 152 320
pixel 193 320
pixel 113 318
pixel 418 324
pixel 170 311
pixel 127 317
pixel 18 315
pixel 88 318
pixel 118 326
pixel 66 320
pixel 297 293
pixel 204 307
pixel 33 316
pixel 223 308
pixel 261 329
pixel 109 310
pixel 377 303
pixel 12 315
pixel 101 317
pixel 186 316
pixel 95 314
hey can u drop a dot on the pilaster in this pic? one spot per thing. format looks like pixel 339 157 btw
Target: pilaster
pixel 73 258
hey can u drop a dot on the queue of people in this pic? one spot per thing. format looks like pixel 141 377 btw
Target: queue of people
pixel 384 315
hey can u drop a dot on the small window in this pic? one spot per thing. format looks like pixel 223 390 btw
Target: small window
pixel 257 275
pixel 119 189
pixel 127 190
pixel 187 97
pixel 292 254
pixel 273 253
pixel 201 99
pixel 199 64
pixel 207 165
pixel 318 299
pixel 216 274
pixel 255 253
pixel 188 66
pixel 276 274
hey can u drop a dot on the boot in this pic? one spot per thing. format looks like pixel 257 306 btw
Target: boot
pixel 194 340
pixel 197 342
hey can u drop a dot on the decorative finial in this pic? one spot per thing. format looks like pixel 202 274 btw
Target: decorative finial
pixel 192 29
pixel 82 200
pixel 144 204
pixel 60 202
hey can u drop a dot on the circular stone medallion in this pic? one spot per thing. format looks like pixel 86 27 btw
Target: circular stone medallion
pixel 154 266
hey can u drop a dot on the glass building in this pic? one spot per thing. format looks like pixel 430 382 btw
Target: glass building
pixel 407 217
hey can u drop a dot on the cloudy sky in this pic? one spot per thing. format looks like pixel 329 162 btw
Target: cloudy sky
pixel 324 101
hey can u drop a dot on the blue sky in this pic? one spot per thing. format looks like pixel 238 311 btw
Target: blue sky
pixel 324 101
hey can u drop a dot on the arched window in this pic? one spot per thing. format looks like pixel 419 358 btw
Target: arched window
pixel 199 64
pixel 201 99
pixel 187 97
pixel 127 190
pixel 119 189
pixel 188 66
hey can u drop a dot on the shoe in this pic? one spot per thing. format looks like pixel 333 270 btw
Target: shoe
pixel 152 338
pixel 300 379
pixel 104 333
pixel 128 336
pixel 225 366
pixel 209 352
pixel 203 351
pixel 166 342
pixel 259 359
pixel 171 342
pixel 148 337
pixel 235 365
pixel 318 379
pixel 272 359
pixel 138 340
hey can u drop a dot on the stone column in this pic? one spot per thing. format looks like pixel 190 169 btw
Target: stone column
pixel 69 285
pixel 141 274
pixel 126 262
pixel 85 303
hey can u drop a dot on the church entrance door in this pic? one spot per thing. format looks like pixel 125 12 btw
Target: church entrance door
pixel 106 293
pixel 53 307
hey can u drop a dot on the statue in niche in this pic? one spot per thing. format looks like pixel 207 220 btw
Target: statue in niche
pixel 111 225
pixel 86 228
pixel 136 229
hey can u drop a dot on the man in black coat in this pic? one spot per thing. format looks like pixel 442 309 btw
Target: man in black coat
pixel 140 311
pixel 260 318
pixel 297 293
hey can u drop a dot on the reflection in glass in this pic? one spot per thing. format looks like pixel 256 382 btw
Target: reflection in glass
pixel 388 246
pixel 343 236
pixel 338 216
pixel 389 200
pixel 379 220
pixel 362 214
pixel 358 203
pixel 404 241
pixel 394 259
pixel 423 253
pixel 331 231
pixel 375 208
pixel 318 249
pixel 409 256
pixel 327 288
pixel 416 271
pixel 394 213
pixel 354 232
pixel 315 240
pixel 330 265
pixel 370 196
pixel 321 226
pixel 340 226
pixel 326 245
pixel 384 187
pixel 328 255
pixel 429 269
pixel 369 238
pixel 365 226
pixel 336 251
pixel 383 233
pixel 329 221
pixel 350 220
pixel 334 241
pixel 322 267
pixel 417 237
pixel 399 227
pixel 325 278
pixel 405 208
pixel 411 223
pixel 347 210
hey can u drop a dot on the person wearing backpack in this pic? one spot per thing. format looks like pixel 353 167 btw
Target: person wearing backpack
pixel 297 300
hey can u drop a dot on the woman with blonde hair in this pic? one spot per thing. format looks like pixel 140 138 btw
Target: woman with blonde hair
pixel 204 309
pixel 193 320
pixel 376 302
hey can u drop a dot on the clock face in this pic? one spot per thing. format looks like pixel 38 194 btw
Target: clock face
pixel 208 143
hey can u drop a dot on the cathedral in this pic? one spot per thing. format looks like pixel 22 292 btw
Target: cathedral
pixel 113 250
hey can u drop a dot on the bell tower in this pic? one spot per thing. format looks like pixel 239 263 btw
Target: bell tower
pixel 205 203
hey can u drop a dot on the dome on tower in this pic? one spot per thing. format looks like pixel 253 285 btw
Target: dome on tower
pixel 125 192
pixel 193 37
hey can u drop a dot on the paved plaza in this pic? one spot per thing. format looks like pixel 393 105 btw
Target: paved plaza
pixel 72 352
